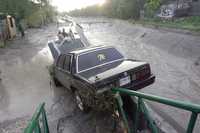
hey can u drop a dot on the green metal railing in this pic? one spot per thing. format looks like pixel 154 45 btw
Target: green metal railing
pixel 38 123
pixel 141 107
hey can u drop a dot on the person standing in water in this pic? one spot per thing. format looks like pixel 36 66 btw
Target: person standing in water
pixel 21 29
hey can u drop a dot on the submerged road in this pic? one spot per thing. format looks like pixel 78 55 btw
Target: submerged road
pixel 174 58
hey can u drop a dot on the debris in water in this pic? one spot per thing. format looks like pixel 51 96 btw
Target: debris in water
pixel 143 35
pixel 197 62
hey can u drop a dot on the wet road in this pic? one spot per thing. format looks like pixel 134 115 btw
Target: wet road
pixel 174 57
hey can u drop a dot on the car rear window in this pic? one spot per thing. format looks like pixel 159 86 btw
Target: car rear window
pixel 68 46
pixel 95 58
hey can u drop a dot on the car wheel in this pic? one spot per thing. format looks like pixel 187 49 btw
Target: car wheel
pixel 80 102
pixel 56 82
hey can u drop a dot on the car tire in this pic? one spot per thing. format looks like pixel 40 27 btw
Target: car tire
pixel 80 104
pixel 56 82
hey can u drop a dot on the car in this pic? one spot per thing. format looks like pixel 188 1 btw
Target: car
pixel 91 72
pixel 173 10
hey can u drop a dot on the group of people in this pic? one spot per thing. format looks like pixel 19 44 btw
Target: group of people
pixel 62 34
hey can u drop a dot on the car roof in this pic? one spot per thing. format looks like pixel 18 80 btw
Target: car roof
pixel 89 49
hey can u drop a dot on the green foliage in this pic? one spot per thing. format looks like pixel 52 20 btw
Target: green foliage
pixel 151 6
pixel 94 10
pixel 34 12
pixel 35 20
pixel 188 23
pixel 123 9
pixel 15 8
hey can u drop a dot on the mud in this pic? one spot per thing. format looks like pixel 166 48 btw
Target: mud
pixel 174 58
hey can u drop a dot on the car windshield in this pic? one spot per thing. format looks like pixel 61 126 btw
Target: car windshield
pixel 68 46
pixel 95 58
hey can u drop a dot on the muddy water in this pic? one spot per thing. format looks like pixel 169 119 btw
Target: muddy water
pixel 25 81
pixel 174 58
pixel 23 65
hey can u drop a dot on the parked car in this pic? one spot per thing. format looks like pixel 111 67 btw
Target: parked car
pixel 174 10
pixel 91 72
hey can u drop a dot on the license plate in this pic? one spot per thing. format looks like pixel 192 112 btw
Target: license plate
pixel 124 81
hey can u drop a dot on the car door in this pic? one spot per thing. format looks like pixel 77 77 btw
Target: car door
pixel 67 71
pixel 59 68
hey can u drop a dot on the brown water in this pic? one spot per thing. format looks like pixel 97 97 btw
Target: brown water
pixel 174 58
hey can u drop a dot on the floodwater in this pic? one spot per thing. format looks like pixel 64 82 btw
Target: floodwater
pixel 174 59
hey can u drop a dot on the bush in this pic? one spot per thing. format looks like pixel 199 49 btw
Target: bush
pixel 187 23
pixel 35 20
pixel 151 6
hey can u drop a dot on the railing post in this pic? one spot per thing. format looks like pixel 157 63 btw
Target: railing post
pixel 194 108
pixel 120 104
pixel 34 125
pixel 192 122
pixel 37 128
pixel 137 115
pixel 44 121
pixel 148 117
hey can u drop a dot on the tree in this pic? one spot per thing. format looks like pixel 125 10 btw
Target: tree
pixel 33 12
pixel 124 9
pixel 151 6
pixel 15 8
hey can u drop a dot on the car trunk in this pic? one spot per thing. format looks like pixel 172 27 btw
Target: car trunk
pixel 117 73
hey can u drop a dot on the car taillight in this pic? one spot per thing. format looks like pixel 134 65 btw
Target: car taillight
pixel 142 73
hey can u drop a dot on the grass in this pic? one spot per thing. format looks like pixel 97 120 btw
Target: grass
pixel 187 23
